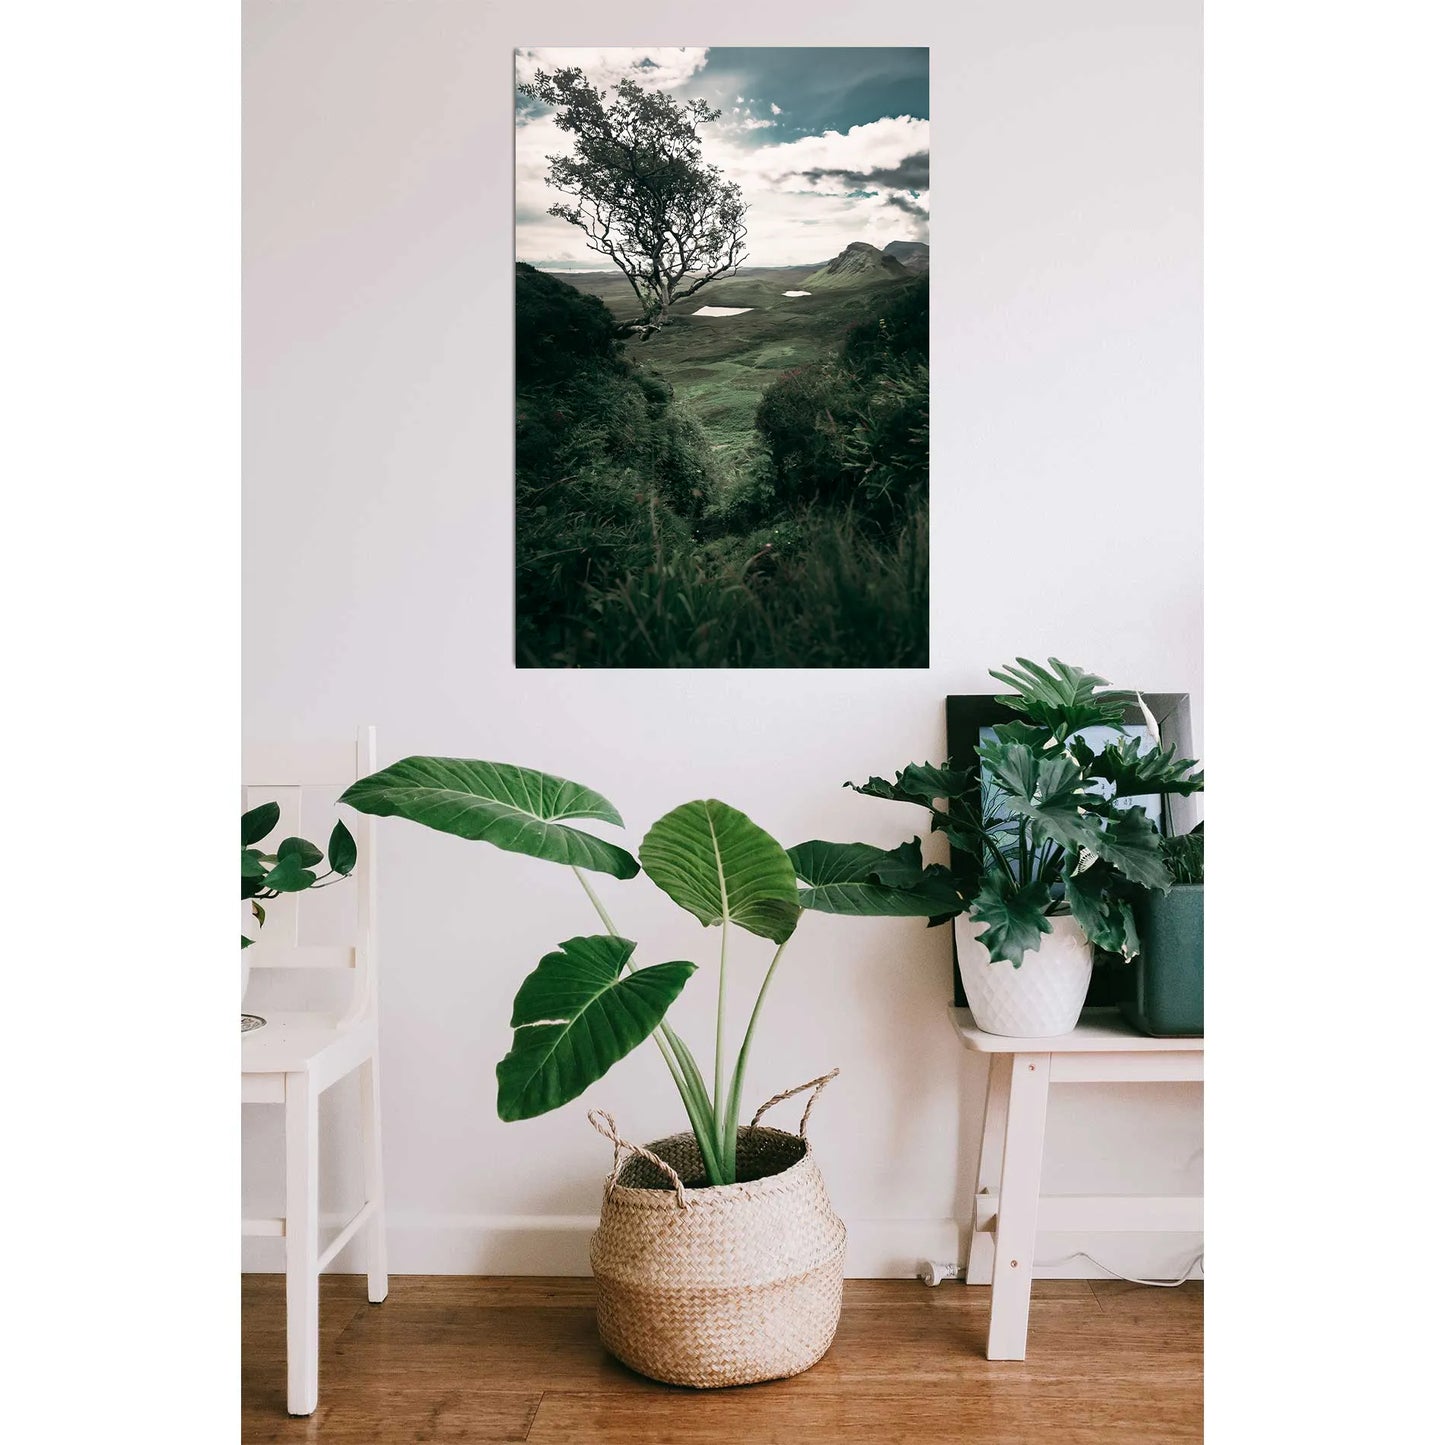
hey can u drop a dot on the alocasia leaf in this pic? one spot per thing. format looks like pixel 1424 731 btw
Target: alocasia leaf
pixel 518 809
pixel 575 1016
pixel 717 863
pixel 864 881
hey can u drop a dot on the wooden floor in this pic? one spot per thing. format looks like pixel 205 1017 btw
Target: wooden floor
pixel 459 1358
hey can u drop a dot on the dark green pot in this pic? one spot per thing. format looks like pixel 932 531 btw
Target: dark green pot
pixel 1164 991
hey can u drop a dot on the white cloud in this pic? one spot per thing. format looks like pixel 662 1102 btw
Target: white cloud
pixel 657 69
pixel 879 145
pixel 800 209
pixel 739 99
pixel 776 109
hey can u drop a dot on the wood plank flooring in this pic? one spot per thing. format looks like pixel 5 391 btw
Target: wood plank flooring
pixel 463 1358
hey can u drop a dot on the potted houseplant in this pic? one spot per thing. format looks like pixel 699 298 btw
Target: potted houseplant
pixel 1164 983
pixel 718 1258
pixel 1065 853
pixel 290 869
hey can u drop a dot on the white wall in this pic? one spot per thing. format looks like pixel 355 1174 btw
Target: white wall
pixel 1066 520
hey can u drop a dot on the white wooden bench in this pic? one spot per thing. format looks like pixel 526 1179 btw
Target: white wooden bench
pixel 1007 1209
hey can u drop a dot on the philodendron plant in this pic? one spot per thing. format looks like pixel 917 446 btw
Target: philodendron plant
pixel 1054 821
pixel 588 1004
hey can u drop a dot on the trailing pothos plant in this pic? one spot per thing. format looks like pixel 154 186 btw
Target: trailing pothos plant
pixel 1052 821
pixel 292 867
pixel 588 1004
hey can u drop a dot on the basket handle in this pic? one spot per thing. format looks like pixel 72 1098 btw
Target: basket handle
pixel 606 1125
pixel 816 1085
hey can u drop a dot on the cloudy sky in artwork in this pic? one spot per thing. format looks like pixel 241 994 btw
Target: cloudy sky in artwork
pixel 828 145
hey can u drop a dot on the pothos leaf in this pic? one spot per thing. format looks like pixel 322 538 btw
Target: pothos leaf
pixel 306 854
pixel 290 876
pixel 341 849
pixel 258 822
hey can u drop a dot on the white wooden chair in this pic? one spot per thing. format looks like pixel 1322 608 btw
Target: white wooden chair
pixel 297 1055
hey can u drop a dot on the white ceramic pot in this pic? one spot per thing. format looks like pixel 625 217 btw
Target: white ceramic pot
pixel 1039 1000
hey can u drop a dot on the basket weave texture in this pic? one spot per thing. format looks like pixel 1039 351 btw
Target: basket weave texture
pixel 724 1285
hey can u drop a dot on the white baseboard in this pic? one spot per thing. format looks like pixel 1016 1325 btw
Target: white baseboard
pixel 877 1248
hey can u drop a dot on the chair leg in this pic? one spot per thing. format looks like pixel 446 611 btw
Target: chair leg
pixel 376 1280
pixel 1018 1206
pixel 302 1211
pixel 979 1269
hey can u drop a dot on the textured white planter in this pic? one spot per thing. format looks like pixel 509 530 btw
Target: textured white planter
pixel 1038 1001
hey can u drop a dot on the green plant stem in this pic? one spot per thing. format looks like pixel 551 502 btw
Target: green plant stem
pixel 735 1093
pixel 722 994
pixel 680 1064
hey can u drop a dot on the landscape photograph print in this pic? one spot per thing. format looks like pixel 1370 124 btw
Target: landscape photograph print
pixel 722 261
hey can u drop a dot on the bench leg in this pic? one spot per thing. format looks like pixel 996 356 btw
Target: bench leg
pixel 376 1280
pixel 1018 1207
pixel 990 1171
pixel 302 1302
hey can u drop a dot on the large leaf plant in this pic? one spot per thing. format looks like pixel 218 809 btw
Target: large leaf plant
pixel 1055 826
pixel 588 1003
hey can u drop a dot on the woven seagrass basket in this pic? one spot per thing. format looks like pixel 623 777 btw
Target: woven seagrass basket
pixel 720 1285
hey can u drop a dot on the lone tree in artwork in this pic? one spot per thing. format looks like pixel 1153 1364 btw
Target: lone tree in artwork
pixel 639 191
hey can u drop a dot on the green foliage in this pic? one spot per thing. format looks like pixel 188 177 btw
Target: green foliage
pixel 719 865
pixel 575 1017
pixel 857 878
pixel 1016 914
pixel 518 809
pixel 1184 856
pixel 609 467
pixel 830 592
pixel 1050 820
pixel 635 550
pixel 636 186
pixel 576 1014
pixel 558 328
pixel 895 331
pixel 1134 774
pixel 1063 700
pixel 853 430
pixel 292 867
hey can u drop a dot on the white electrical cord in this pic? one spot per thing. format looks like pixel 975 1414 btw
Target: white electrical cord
pixel 934 1272
pixel 1127 1278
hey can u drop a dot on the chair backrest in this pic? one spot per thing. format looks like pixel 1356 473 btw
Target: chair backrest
pixel 313 776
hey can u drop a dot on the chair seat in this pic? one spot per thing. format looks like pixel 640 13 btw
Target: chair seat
pixel 313 1043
